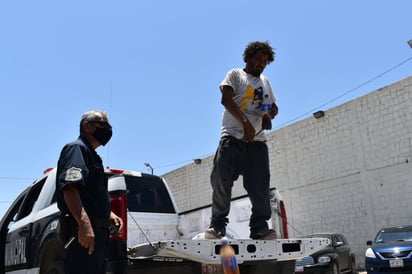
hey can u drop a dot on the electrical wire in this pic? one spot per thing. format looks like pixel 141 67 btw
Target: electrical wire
pixel 344 94
pixel 182 162
pixel 16 178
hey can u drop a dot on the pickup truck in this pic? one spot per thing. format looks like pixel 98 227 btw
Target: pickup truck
pixel 155 236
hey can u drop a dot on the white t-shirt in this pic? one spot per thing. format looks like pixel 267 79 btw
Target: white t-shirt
pixel 252 95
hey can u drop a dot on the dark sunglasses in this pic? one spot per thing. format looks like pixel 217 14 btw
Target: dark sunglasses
pixel 102 123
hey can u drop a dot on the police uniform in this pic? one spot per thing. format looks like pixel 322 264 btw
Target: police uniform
pixel 79 164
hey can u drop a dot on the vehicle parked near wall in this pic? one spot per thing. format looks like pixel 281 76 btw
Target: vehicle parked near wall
pixel 390 251
pixel 154 237
pixel 336 258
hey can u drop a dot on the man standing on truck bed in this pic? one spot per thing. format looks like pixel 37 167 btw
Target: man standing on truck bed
pixel 249 104
pixel 83 198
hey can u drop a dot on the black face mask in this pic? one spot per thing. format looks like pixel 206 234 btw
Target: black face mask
pixel 102 135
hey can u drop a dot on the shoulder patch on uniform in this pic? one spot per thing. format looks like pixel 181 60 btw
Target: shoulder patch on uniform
pixel 73 174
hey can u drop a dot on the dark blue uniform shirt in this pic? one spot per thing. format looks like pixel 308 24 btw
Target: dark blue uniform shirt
pixel 79 164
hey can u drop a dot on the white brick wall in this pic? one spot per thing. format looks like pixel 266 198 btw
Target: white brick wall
pixel 349 171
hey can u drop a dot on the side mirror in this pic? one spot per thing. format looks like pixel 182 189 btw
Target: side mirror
pixel 338 244
pixel 369 242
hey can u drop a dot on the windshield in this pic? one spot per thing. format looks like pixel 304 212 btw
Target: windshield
pixel 394 235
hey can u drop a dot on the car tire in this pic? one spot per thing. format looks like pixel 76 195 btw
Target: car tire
pixel 54 268
pixel 335 268
pixel 51 258
pixel 353 267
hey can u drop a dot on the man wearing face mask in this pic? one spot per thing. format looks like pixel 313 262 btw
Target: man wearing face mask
pixel 83 198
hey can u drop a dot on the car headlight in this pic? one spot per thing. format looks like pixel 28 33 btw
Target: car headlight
pixel 323 259
pixel 369 253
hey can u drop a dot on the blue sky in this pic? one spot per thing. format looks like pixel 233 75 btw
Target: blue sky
pixel 155 66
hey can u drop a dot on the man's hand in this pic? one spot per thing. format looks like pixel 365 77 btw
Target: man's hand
pixel 248 131
pixel 273 111
pixel 266 122
pixel 86 235
pixel 266 118
pixel 117 221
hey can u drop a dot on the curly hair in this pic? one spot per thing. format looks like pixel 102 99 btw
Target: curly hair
pixel 256 46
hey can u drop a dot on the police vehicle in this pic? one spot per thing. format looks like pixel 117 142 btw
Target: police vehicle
pixel 154 237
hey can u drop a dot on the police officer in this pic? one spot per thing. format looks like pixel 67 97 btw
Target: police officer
pixel 83 198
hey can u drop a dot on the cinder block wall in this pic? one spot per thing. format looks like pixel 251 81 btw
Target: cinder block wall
pixel 349 171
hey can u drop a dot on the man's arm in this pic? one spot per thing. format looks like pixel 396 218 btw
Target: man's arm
pixel 228 102
pixel 85 234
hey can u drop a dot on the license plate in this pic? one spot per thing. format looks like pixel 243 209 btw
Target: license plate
pixel 299 269
pixel 396 263
pixel 212 269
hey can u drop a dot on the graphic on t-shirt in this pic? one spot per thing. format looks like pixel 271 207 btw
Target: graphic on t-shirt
pixel 252 99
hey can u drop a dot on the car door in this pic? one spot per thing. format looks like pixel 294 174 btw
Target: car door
pixel 8 219
pixel 18 240
pixel 342 248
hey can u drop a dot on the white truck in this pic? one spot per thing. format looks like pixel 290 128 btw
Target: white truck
pixel 155 236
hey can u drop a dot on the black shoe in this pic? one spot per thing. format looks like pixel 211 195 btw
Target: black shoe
pixel 214 233
pixel 268 234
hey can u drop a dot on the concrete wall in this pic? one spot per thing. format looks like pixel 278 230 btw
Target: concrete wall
pixel 349 171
